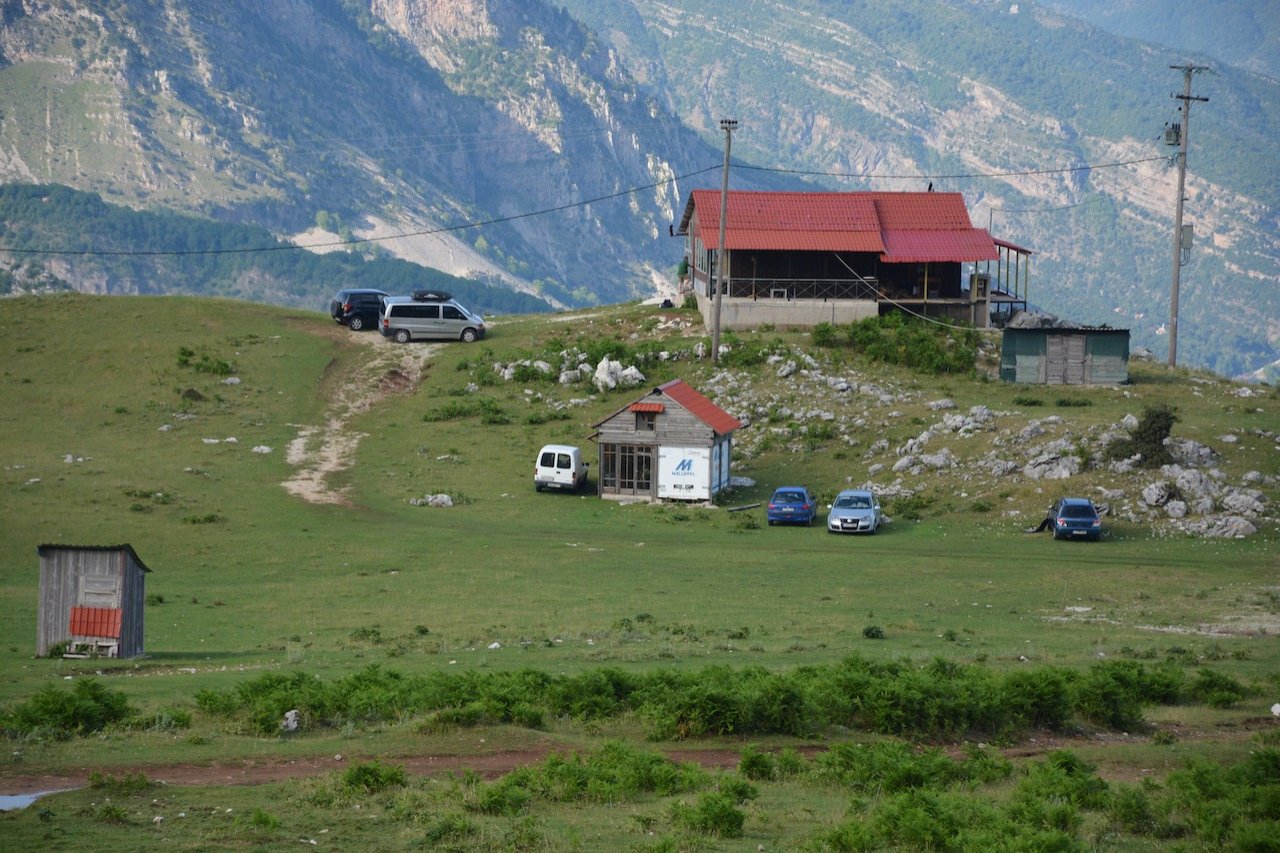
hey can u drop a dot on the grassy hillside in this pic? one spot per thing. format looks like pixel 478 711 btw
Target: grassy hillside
pixel 118 427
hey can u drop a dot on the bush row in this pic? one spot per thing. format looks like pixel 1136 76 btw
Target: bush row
pixel 900 339
pixel 902 798
pixel 938 700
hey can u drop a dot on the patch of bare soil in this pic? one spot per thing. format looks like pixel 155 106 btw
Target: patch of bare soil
pixel 496 764
pixel 321 450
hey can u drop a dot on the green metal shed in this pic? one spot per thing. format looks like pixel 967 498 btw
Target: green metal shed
pixel 1065 355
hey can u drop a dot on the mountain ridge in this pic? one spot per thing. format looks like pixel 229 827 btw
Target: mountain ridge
pixel 488 127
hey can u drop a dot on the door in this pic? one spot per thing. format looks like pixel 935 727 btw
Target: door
pixel 626 469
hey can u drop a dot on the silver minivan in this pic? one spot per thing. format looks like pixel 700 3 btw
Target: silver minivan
pixel 429 315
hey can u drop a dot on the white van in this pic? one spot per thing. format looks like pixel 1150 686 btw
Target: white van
pixel 559 466
pixel 429 314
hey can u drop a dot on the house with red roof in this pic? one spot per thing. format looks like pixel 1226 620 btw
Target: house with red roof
pixel 803 258
pixel 671 444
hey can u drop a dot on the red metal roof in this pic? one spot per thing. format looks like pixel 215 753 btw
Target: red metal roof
pixel 700 407
pixel 913 227
pixel 95 622
pixel 922 247
pixel 646 407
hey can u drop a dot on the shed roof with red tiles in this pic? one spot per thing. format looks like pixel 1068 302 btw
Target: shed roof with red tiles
pixel 699 406
pixel 684 395
pixel 901 227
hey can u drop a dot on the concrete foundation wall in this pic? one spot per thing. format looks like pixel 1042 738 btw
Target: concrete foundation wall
pixel 740 314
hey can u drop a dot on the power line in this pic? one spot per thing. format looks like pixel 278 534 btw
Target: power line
pixel 917 177
pixel 285 247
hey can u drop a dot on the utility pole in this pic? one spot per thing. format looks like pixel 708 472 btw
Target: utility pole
pixel 1184 131
pixel 728 125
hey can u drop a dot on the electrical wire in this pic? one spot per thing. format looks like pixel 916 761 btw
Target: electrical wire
pixel 920 177
pixel 284 247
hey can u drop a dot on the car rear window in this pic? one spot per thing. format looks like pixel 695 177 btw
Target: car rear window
pixel 1077 511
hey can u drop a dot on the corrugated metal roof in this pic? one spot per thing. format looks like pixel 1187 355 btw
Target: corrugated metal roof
pixel 922 247
pixel 95 622
pixel 40 549
pixel 720 421
pixel 912 227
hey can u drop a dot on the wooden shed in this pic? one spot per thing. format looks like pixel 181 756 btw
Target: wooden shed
pixel 673 444
pixel 1065 355
pixel 92 598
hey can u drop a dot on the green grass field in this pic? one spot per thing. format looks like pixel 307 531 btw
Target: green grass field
pixel 115 429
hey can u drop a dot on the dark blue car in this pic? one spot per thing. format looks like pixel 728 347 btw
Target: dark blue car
pixel 792 505
pixel 1075 518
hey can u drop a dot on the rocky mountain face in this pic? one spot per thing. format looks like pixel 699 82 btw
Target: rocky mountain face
pixel 387 118
pixel 1050 127
pixel 550 146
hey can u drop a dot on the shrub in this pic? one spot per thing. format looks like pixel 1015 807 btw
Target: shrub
pixel 715 814
pixel 126 785
pixel 739 790
pixel 1040 698
pixel 1217 690
pixel 373 777
pixel 757 765
pixel 925 347
pixel 1154 426
pixel 824 335
pixel 873 632
pixel 88 707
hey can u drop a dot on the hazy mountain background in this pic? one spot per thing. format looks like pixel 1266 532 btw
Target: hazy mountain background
pixel 544 149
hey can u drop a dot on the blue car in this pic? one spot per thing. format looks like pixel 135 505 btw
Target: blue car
pixel 792 505
pixel 1075 518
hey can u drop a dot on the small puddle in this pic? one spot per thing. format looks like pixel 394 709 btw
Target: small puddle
pixel 13 802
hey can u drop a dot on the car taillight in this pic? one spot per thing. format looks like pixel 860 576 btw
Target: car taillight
pixel 346 306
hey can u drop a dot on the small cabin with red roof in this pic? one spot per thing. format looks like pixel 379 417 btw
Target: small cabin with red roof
pixel 803 258
pixel 671 444
pixel 92 599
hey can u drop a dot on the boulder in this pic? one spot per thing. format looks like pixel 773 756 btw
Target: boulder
pixel 1157 493
pixel 1221 527
pixel 1246 502
pixel 1052 465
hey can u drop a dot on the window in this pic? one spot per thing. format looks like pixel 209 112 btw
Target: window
pixel 451 312
pixel 626 468
pixel 646 421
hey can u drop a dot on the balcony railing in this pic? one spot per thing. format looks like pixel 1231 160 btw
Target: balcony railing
pixel 802 288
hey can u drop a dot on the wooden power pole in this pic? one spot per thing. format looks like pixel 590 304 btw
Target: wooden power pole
pixel 728 125
pixel 1183 132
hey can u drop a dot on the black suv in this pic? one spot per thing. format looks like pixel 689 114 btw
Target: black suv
pixel 358 308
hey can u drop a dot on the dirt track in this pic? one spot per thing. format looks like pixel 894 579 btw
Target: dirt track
pixel 251 772
pixel 319 451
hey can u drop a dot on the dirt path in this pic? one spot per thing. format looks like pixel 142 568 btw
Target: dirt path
pixel 319 451
pixel 256 772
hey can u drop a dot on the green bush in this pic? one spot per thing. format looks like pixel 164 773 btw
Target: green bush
pixel 124 786
pixel 1216 690
pixel 715 814
pixel 87 707
pixel 825 335
pixel 757 765
pixel 923 346
pixel 373 777
pixel 1154 426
